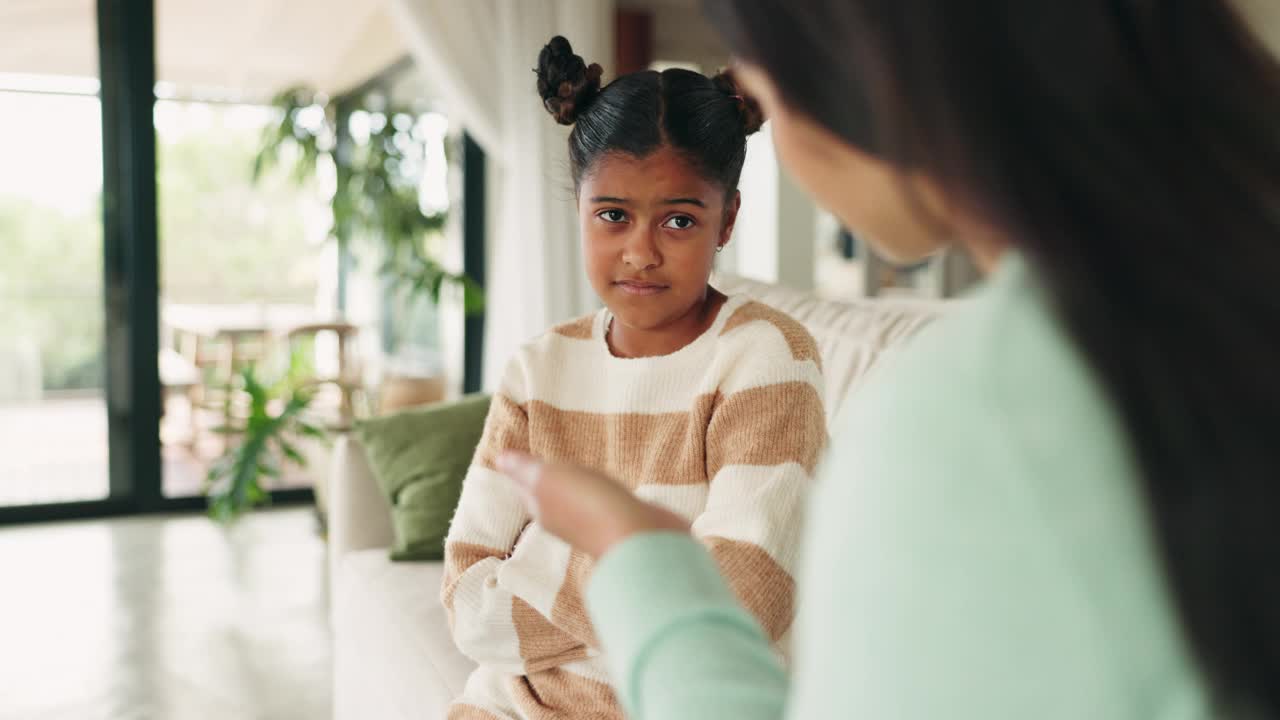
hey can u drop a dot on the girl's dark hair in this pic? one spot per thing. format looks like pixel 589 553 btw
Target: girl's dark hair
pixel 1132 151
pixel 707 120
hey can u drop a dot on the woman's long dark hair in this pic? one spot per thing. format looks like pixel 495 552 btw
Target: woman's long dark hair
pixel 1131 149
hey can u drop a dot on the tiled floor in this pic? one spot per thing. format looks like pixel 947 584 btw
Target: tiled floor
pixel 165 618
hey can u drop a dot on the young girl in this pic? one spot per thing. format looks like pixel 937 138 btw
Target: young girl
pixel 705 404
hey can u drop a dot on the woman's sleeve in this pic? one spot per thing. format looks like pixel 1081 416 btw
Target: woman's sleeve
pixel 679 644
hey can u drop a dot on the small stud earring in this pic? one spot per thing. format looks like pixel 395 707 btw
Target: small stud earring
pixel 719 248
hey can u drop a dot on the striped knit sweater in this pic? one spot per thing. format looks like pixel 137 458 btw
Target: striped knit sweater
pixel 725 431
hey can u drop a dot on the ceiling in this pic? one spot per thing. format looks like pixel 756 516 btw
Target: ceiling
pixel 252 46
pixel 256 47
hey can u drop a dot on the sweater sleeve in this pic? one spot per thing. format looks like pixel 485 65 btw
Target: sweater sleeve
pixel 489 624
pixel 764 439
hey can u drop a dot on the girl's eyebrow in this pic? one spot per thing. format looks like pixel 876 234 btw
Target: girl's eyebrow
pixel 685 201
pixel 669 201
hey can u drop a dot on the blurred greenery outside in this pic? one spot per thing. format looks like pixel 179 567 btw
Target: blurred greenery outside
pixel 223 238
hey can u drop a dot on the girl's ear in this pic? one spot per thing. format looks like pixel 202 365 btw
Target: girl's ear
pixel 730 217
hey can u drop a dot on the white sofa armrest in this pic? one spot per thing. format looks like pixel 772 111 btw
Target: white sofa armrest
pixel 359 514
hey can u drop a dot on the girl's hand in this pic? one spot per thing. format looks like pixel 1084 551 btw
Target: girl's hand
pixel 584 508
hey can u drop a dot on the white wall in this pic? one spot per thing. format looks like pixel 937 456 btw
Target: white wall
pixel 684 34
pixel 752 250
pixel 777 228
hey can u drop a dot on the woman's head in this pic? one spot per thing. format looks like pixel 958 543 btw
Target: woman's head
pixel 1131 150
pixel 655 159
pixel 898 212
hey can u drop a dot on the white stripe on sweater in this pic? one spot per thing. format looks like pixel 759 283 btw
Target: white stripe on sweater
pixel 590 381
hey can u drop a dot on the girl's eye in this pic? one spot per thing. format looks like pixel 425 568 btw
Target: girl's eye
pixel 612 216
pixel 679 222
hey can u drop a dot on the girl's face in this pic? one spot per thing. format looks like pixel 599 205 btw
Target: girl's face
pixel 650 229
pixel 901 215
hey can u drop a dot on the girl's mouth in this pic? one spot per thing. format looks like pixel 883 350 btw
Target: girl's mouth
pixel 640 287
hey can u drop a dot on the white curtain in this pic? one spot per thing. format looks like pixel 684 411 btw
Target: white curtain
pixel 480 55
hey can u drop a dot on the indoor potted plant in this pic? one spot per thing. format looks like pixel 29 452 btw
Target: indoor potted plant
pixel 375 200
pixel 263 437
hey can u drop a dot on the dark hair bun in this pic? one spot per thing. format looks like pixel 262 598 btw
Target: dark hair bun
pixel 566 82
pixel 748 109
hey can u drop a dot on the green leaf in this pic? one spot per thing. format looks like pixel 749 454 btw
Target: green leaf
pixel 258 496
pixel 260 163
pixel 311 431
pixel 472 297
pixel 234 482
pixel 437 282
pixel 292 454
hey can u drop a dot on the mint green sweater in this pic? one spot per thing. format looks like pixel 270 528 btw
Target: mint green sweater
pixel 977 548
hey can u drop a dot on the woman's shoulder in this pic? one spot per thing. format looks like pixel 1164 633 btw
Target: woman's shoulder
pixel 988 444
pixel 996 382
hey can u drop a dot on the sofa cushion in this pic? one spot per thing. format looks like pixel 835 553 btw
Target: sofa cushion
pixel 419 458
pixel 393 654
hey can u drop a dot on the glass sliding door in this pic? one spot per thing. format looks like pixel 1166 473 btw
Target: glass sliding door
pixel 249 261
pixel 244 262
pixel 79 399
pixel 53 414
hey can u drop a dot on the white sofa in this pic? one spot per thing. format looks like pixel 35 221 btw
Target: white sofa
pixel 393 657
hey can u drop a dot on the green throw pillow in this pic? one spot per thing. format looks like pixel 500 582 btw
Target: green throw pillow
pixel 419 458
